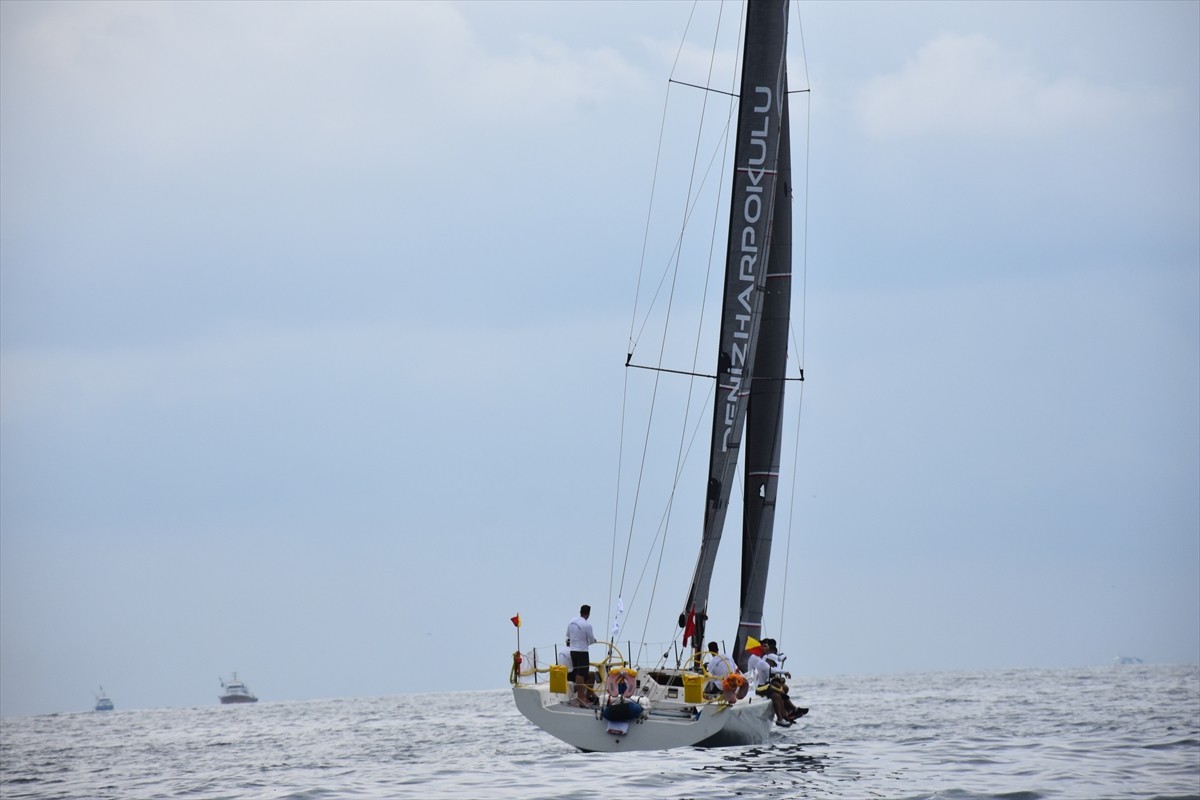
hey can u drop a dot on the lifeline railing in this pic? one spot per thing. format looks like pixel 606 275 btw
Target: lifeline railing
pixel 693 665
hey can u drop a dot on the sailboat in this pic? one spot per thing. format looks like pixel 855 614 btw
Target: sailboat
pixel 673 708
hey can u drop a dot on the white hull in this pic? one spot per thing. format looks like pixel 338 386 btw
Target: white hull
pixel 667 724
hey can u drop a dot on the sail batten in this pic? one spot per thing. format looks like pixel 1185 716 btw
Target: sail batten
pixel 760 129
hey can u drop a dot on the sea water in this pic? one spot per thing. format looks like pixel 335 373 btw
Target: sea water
pixel 1079 734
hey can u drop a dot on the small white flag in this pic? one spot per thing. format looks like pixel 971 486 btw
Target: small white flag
pixel 616 626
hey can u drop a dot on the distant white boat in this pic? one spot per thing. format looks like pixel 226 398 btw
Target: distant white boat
pixel 102 701
pixel 236 692
pixel 1125 660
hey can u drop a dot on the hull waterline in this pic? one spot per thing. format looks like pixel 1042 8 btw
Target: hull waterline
pixel 663 727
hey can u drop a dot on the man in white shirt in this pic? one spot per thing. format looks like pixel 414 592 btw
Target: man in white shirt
pixel 757 668
pixel 767 685
pixel 774 660
pixel 720 666
pixel 579 639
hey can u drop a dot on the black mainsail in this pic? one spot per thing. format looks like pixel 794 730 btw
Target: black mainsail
pixel 764 415
pixel 754 323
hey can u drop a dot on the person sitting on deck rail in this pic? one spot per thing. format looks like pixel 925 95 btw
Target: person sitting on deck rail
pixel 777 688
pixel 759 670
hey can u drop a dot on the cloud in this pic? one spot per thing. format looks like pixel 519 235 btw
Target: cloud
pixel 970 85
pixel 226 367
pixel 171 83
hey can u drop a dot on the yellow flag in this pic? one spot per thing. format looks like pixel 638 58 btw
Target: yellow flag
pixel 752 643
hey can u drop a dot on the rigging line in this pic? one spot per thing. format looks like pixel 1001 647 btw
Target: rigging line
pixel 646 438
pixel 664 521
pixel 633 322
pixel 641 475
pixel 804 269
pixel 683 39
pixel 688 209
pixel 708 273
pixel 727 145
pixel 803 332
pixel 702 88
pixel 689 204
pixel 722 147
pixel 679 239
pixel 804 252
pixel 694 199
pixel 637 292
pixel 712 240
pixel 713 236
pixel 612 556
pixel 707 376
pixel 733 79
pixel 657 163
pixel 803 51
pixel 787 550
pixel 671 371
pixel 801 343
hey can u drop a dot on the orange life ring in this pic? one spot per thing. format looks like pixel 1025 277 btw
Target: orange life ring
pixel 618 676
pixel 733 681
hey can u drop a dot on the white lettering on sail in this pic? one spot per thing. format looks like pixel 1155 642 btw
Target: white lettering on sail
pixel 735 388
pixel 757 151
pixel 748 245
pixel 766 106
pixel 747 268
pixel 743 320
pixel 761 158
pixel 738 358
pixel 744 297
pixel 753 209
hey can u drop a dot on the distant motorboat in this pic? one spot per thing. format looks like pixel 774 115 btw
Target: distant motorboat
pixel 1126 660
pixel 236 692
pixel 102 701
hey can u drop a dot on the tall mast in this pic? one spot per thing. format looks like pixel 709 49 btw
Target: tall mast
pixel 764 415
pixel 763 96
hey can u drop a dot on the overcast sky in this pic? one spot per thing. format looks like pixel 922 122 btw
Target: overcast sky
pixel 313 320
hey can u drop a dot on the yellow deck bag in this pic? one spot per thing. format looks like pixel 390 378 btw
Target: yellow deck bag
pixel 558 679
pixel 693 688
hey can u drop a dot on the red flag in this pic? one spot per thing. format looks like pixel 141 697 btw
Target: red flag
pixel 516 620
pixel 689 630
